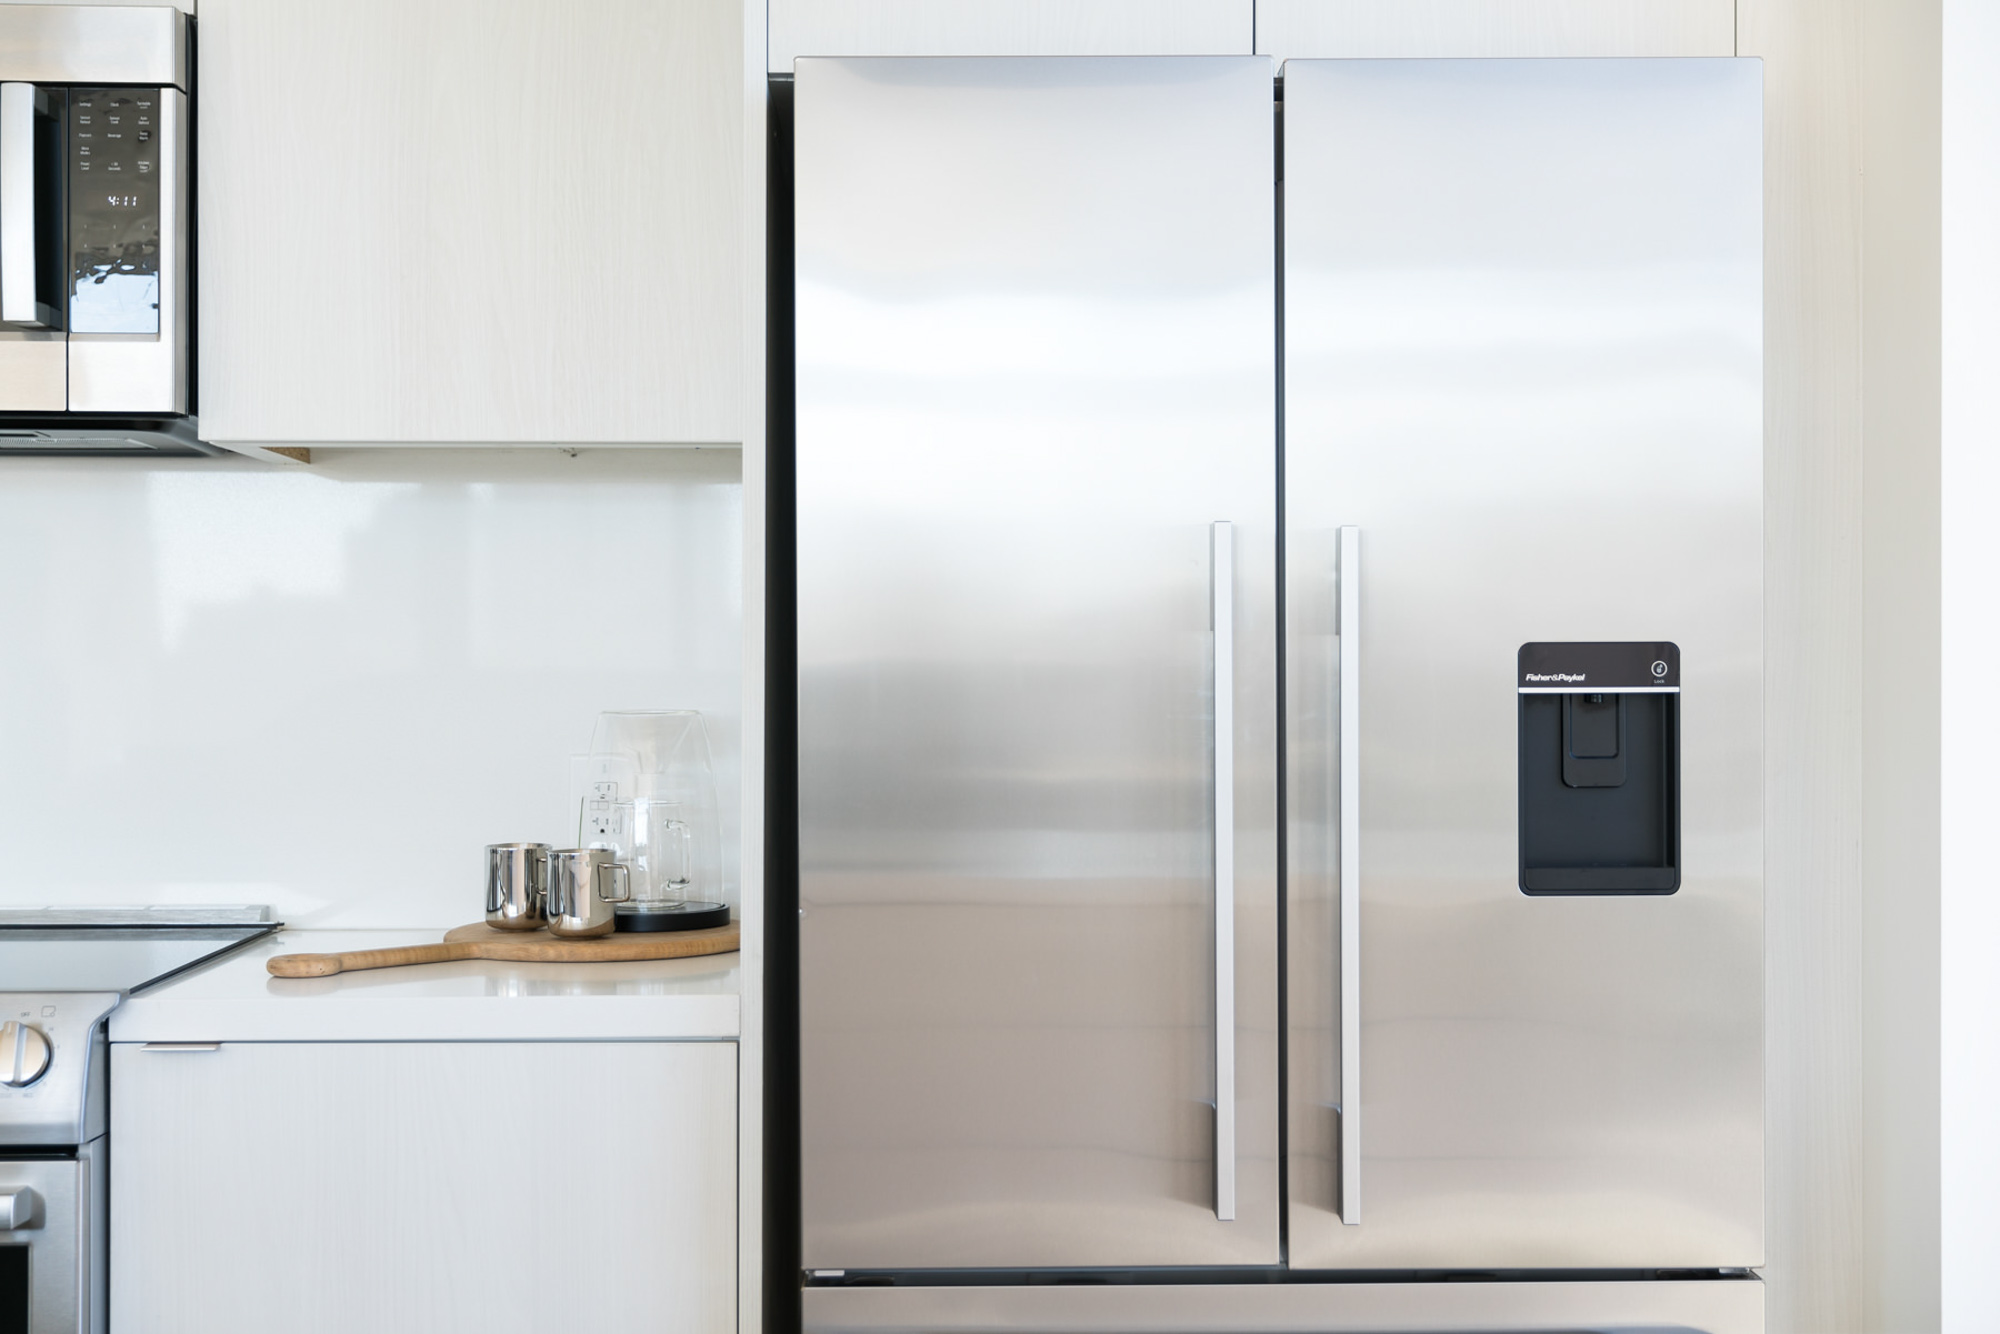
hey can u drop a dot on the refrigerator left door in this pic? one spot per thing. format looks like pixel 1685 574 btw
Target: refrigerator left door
pixel 1036 462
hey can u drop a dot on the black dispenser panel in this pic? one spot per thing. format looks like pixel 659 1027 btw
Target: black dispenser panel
pixel 1600 744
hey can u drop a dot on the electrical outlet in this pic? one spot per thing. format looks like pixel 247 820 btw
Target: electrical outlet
pixel 597 782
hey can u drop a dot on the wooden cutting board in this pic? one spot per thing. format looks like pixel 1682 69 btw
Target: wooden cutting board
pixel 480 941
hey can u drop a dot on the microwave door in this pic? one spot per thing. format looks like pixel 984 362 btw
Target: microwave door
pixel 34 369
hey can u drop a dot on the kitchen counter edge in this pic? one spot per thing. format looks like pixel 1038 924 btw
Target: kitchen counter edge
pixel 234 999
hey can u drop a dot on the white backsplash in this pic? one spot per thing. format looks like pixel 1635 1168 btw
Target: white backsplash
pixel 327 688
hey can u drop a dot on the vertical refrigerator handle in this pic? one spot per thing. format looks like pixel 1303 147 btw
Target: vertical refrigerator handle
pixel 1222 608
pixel 1348 590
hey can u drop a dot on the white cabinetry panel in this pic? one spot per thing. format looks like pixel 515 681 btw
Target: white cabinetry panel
pixel 1298 29
pixel 437 221
pixel 424 1188
pixel 1007 28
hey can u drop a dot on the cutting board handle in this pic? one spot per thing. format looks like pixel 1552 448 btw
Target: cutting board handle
pixel 480 941
pixel 326 965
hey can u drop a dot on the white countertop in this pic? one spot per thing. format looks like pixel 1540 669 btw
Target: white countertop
pixel 235 1000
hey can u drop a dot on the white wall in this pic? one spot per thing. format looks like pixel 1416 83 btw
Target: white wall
pixel 1970 1118
pixel 328 688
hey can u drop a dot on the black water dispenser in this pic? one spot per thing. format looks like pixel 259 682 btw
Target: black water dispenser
pixel 1600 746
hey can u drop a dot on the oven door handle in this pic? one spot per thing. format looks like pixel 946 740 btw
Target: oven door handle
pixel 18 1210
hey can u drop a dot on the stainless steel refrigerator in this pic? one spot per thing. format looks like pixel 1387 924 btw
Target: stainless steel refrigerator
pixel 1279 738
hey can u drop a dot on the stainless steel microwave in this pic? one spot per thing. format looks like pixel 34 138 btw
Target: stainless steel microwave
pixel 95 215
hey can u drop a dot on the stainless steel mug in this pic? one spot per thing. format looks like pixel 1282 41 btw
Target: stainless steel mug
pixel 516 874
pixel 580 891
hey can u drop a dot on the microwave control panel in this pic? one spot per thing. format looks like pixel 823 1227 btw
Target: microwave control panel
pixel 114 213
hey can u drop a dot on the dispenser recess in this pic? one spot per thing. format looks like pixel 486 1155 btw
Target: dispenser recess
pixel 1600 768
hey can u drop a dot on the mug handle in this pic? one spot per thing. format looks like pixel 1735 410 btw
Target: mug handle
pixel 619 871
pixel 682 836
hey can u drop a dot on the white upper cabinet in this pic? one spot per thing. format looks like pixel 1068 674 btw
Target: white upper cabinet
pixel 1007 28
pixel 1373 29
pixel 442 221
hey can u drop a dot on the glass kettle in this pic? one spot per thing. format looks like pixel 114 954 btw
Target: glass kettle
pixel 649 797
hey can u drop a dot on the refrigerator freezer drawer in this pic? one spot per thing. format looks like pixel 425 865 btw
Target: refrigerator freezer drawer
pixel 1712 1306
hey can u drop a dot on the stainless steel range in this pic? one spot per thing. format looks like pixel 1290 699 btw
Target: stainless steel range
pixel 62 973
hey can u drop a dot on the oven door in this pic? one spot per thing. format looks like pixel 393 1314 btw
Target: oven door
pixel 52 1243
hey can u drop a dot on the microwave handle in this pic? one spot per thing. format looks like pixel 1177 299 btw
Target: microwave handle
pixel 22 106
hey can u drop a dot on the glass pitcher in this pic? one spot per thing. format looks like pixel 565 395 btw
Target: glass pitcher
pixel 652 839
pixel 649 794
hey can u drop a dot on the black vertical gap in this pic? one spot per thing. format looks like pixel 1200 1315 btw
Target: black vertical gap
pixel 782 1223
pixel 1284 806
pixel 191 281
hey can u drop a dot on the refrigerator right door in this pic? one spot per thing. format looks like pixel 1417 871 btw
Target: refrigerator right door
pixel 1523 496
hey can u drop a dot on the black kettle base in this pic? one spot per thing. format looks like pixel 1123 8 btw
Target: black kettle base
pixel 678 917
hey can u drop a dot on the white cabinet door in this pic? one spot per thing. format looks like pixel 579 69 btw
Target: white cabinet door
pixel 1424 29
pixel 442 221
pixel 424 1188
pixel 1007 28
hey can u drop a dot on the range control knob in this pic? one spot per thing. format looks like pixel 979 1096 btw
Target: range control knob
pixel 24 1054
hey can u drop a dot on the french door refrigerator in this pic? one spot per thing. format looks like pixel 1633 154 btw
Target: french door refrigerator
pixel 1278 693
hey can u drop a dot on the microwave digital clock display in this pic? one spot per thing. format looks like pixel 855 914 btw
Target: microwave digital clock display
pixel 114 188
